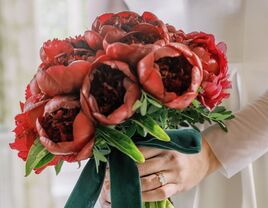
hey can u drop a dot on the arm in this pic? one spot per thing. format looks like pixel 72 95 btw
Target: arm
pixel 246 140
pixel 181 172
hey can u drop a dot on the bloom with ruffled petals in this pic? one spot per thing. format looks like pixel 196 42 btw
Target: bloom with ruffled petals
pixel 64 66
pixel 172 74
pixel 25 130
pixel 82 49
pixel 52 51
pixel 136 35
pixel 216 79
pixel 127 21
pixel 65 130
pixel 61 79
pixel 109 91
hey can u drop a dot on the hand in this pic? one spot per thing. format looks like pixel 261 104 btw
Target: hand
pixel 181 172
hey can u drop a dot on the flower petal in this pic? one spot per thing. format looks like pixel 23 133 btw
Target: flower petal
pixel 129 53
pixel 62 79
pixel 93 39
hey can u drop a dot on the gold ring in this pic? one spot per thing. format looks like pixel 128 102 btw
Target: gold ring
pixel 161 178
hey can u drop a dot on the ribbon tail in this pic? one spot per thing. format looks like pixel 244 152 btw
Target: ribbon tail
pixel 125 181
pixel 88 187
pixel 187 141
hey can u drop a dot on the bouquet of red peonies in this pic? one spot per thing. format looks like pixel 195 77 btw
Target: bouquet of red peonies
pixel 130 80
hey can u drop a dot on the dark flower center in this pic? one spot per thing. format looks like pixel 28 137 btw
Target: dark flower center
pixel 59 124
pixel 82 51
pixel 124 23
pixel 107 88
pixel 176 73
pixel 139 37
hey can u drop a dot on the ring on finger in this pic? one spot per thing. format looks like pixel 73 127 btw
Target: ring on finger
pixel 161 178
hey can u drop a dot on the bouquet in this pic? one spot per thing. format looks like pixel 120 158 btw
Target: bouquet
pixel 130 80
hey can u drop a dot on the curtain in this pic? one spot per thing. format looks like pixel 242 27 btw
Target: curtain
pixel 24 26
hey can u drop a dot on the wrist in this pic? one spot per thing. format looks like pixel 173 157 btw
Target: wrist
pixel 213 162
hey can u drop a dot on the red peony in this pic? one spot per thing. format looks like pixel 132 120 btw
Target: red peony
pixel 65 130
pixel 129 33
pixel 126 21
pixel 109 91
pixel 25 131
pixel 65 64
pixel 214 62
pixel 172 74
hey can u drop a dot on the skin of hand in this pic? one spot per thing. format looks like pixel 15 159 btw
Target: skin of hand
pixel 181 172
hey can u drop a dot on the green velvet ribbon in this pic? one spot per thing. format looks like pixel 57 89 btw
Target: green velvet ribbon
pixel 124 175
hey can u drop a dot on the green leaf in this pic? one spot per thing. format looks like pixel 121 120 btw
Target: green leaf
pixel 223 126
pixel 196 103
pixel 152 109
pixel 45 160
pixel 36 155
pixel 231 117
pixel 150 125
pixel 155 103
pixel 141 131
pixel 79 164
pixel 219 116
pixel 219 109
pixel 122 142
pixel 143 108
pixel 99 155
pixel 58 167
pixel 131 130
pixel 137 105
pixel 163 119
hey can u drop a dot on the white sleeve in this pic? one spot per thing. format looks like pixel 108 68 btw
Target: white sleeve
pixel 246 140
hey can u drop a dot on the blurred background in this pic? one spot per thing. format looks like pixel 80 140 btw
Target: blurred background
pixel 26 24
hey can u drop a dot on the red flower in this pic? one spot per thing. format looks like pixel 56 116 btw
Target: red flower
pixel 126 21
pixel 65 130
pixel 61 79
pixel 65 64
pixel 130 53
pixel 129 32
pixel 52 51
pixel 25 131
pixel 214 62
pixel 93 39
pixel 82 49
pixel 109 91
pixel 177 36
pixel 172 74
pixel 122 20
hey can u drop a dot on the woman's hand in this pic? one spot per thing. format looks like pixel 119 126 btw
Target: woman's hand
pixel 180 171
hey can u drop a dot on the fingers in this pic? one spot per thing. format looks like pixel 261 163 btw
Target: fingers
pixel 106 191
pixel 105 198
pixel 149 152
pixel 104 204
pixel 153 165
pixel 159 194
pixel 152 182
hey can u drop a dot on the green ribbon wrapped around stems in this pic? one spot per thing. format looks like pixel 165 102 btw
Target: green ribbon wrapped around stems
pixel 124 175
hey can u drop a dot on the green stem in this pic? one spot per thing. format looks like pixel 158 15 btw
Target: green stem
pixel 160 204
